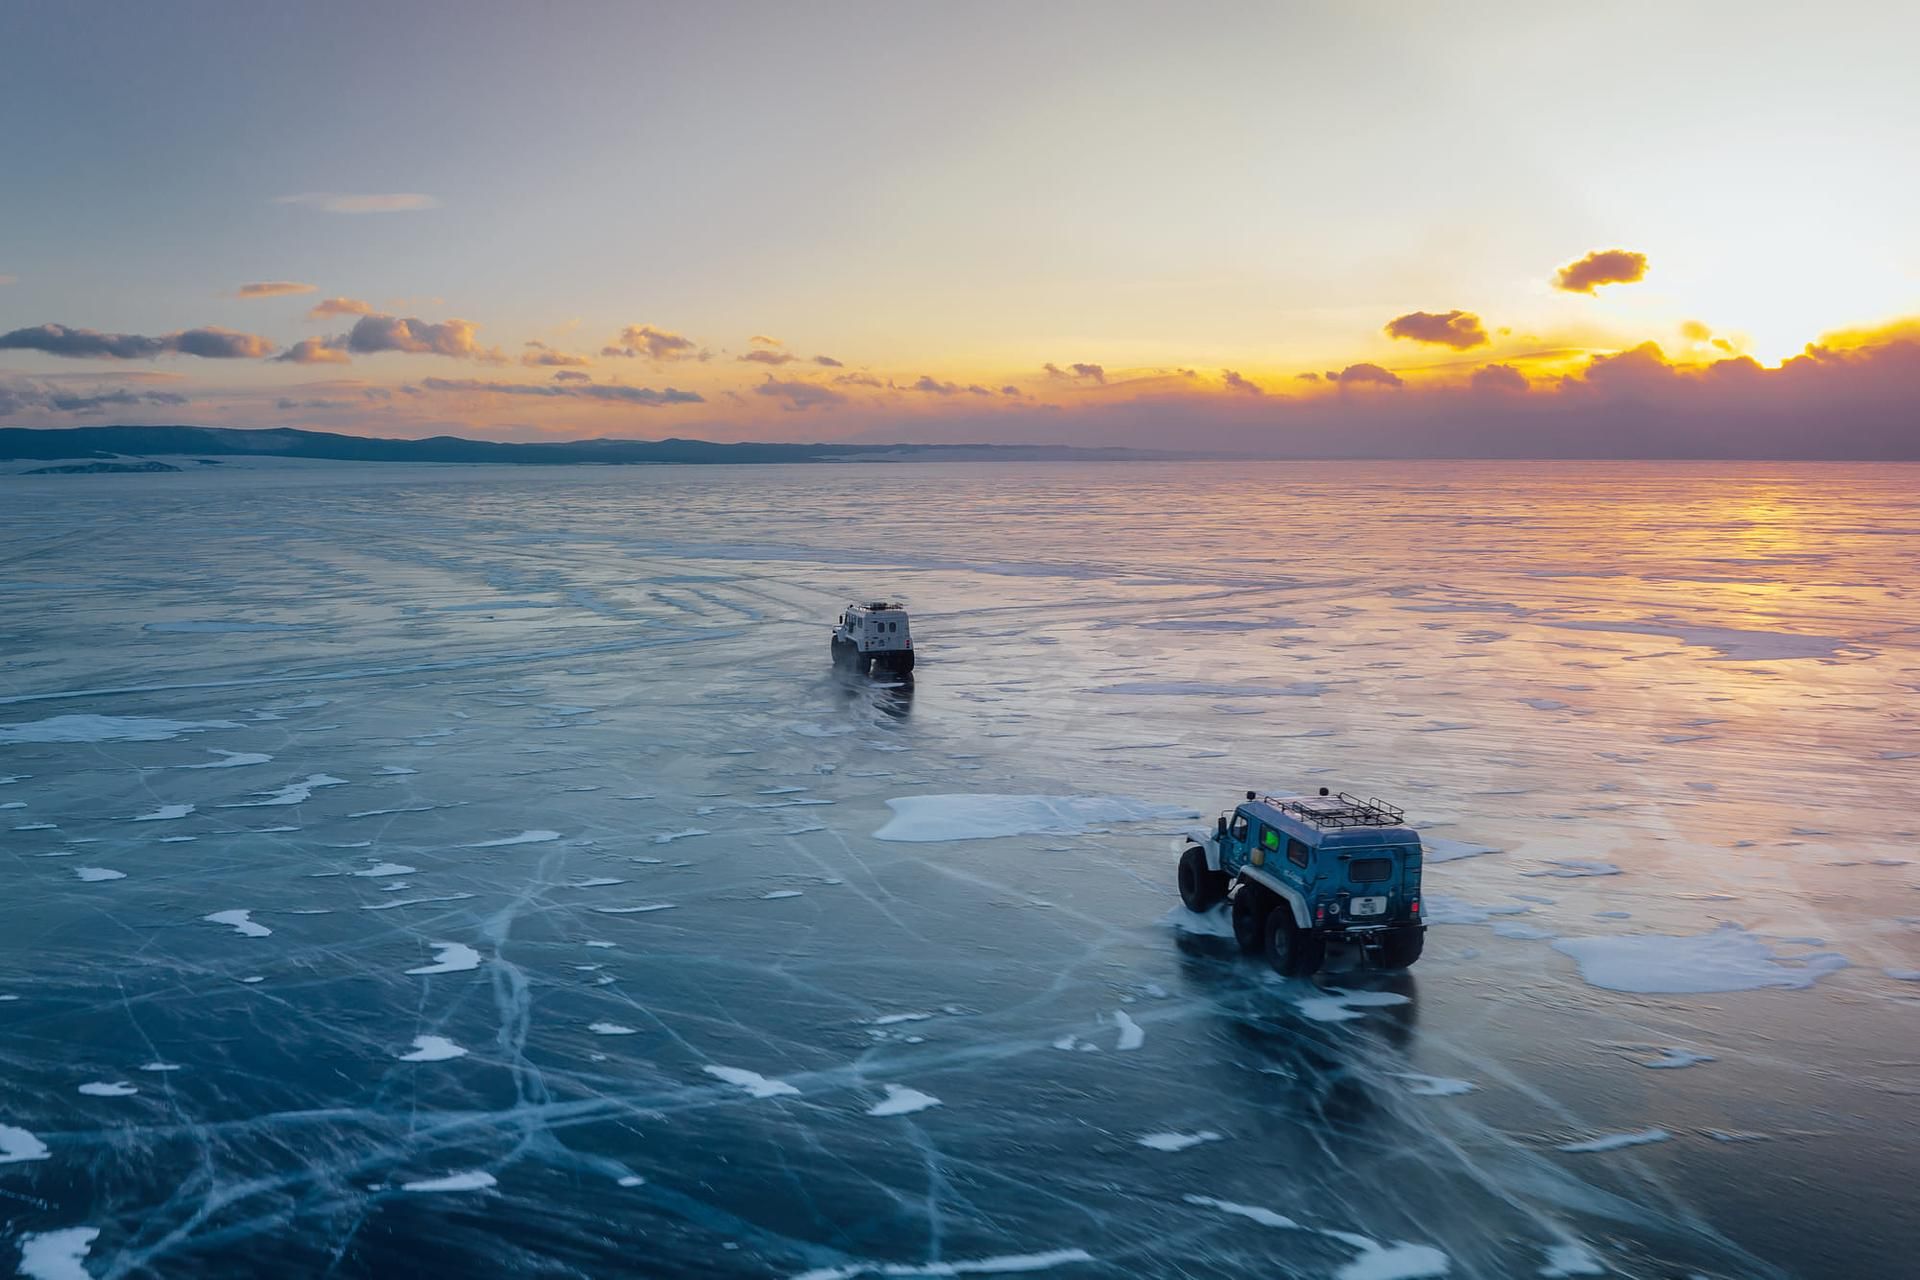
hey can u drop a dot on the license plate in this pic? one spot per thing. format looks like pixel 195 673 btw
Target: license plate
pixel 1367 906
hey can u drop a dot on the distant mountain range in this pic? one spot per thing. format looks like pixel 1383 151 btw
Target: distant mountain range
pixel 105 443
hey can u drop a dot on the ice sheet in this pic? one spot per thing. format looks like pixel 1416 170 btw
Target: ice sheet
pixel 1727 959
pixel 986 817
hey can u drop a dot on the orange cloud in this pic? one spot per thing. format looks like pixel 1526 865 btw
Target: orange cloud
pixel 210 342
pixel 1075 372
pixel 1457 329
pixel 643 340
pixel 272 289
pixel 1363 374
pixel 1602 266
pixel 541 356
pixel 1237 383
pixel 764 355
pixel 314 351
pixel 338 307
pixel 1498 377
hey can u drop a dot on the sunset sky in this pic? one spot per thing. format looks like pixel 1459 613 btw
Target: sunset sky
pixel 1136 224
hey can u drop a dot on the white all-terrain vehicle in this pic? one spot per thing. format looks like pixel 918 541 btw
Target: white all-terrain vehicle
pixel 874 637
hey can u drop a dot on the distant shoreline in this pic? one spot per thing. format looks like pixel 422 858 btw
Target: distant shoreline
pixel 107 449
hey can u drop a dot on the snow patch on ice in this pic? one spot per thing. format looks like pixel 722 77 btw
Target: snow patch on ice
pixel 91 874
pixel 1574 868
pixel 450 957
pixel 166 813
pixel 525 837
pixel 293 793
pixel 611 1029
pixel 242 922
pixel 901 1101
pixel 381 869
pixel 1336 1005
pixel 1728 959
pixel 433 1049
pixel 1435 1086
pixel 18 1145
pixel 57 1255
pixel 1217 923
pixel 780 893
pixel 752 1081
pixel 1442 849
pixel 105 729
pixel 1005 1264
pixel 476 1180
pixel 1209 689
pixel 1615 1141
pixel 230 760
pixel 668 837
pixel 1176 1141
pixel 1564 1260
pixel 987 817
pixel 108 1089
pixel 1131 1035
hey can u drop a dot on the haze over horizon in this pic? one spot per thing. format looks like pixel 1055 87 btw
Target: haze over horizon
pixel 1502 232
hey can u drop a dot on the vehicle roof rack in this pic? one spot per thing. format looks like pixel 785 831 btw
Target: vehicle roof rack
pixel 1341 810
pixel 880 604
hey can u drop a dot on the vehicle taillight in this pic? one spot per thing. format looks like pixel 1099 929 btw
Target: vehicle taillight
pixel 1320 912
pixel 1416 906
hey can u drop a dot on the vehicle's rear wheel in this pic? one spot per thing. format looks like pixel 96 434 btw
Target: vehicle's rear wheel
pixel 1402 948
pixel 1292 951
pixel 1251 906
pixel 1201 887
pixel 843 653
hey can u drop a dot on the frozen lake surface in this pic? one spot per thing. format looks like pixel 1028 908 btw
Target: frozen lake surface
pixel 482 872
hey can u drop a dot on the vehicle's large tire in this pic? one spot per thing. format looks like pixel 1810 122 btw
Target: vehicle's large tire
pixel 1251 907
pixel 1402 948
pixel 1292 951
pixel 843 652
pixel 1201 887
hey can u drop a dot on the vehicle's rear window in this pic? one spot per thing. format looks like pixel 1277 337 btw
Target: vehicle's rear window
pixel 1371 870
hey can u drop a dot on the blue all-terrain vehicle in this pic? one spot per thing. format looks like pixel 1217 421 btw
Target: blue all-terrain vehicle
pixel 1304 871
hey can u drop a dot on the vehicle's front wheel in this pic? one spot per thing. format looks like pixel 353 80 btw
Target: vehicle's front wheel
pixel 1251 907
pixel 1402 948
pixel 1201 887
pixel 1292 951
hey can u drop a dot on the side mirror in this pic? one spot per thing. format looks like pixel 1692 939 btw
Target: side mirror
pixel 1220 828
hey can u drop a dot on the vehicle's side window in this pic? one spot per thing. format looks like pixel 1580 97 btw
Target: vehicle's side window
pixel 1239 830
pixel 1270 840
pixel 1296 851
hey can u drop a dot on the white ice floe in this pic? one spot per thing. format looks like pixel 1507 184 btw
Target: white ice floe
pixel 668 837
pixel 1265 1217
pixel 1727 959
pixel 1441 849
pixel 108 1089
pixel 629 1180
pixel 1565 1260
pixel 18 1146
pixel 1573 868
pixel 432 1049
pixel 901 1101
pixel 1131 1034
pixel 166 813
pixel 157 1065
pixel 1336 1005
pixel 611 1029
pixel 91 874
pixel 293 793
pixel 634 911
pixel 1733 644
pixel 1005 1264
pixel 752 1081
pixel 890 1019
pixel 1217 923
pixel 985 817
pixel 1435 1086
pixel 57 1255
pixel 525 837
pixel 475 1180
pixel 1395 1262
pixel 1176 1141
pixel 594 882
pixel 1615 1141
pixel 382 869
pixel 1672 1059
pixel 780 893
pixel 105 729
pixel 414 902
pixel 241 921
pixel 230 760
pixel 450 957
